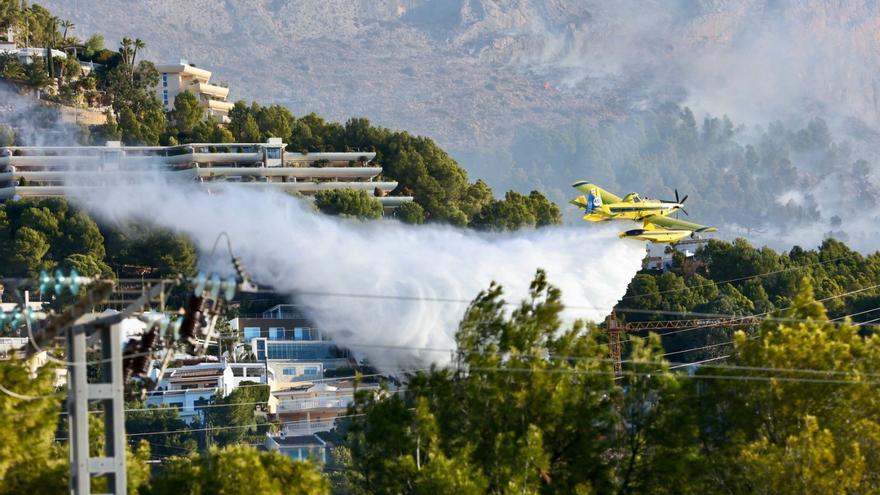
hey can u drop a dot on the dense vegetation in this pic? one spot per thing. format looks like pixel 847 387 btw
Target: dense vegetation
pixel 348 202
pixel 44 234
pixel 531 406
pixel 776 176
pixel 440 186
pixel 739 279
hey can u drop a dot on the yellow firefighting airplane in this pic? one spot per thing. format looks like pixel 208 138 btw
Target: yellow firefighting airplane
pixel 600 205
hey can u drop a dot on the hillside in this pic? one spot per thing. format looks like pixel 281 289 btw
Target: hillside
pixel 469 72
pixel 532 94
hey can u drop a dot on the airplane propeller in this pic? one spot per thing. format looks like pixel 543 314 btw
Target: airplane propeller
pixel 680 201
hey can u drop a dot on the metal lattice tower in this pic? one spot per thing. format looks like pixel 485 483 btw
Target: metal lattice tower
pixel 615 328
pixel 109 393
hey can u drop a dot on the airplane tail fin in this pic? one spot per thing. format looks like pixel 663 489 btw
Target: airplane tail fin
pixel 594 201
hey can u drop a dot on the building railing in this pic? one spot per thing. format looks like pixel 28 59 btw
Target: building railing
pixel 286 315
pixel 307 404
pixel 308 427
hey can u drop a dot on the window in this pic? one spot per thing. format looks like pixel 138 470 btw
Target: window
pixel 164 80
pixel 251 333
pixel 289 372
pixel 310 371
pixel 301 333
pixel 273 153
pixel 276 333
pixel 261 349
pixel 296 350
pixel 254 372
pixel 237 371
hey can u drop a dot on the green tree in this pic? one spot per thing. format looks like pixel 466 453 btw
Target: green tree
pixel 170 254
pixel 475 198
pixel 516 211
pixel 36 75
pixel 237 470
pixel 7 136
pixel 130 128
pixel 546 212
pixel 250 132
pixel 510 414
pixel 28 453
pixel 187 112
pixel 236 417
pixel 10 12
pixel 29 248
pixel 161 422
pixel 796 431
pixel 512 213
pixel 811 461
pixel 87 265
pixel 109 131
pixel 93 45
pixel 348 202
pixel 410 213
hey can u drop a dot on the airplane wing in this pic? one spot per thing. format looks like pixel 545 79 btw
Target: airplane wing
pixel 585 187
pixel 674 223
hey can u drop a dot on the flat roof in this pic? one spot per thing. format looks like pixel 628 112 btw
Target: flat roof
pixel 298 440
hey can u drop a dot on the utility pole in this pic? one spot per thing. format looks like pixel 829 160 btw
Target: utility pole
pixel 109 392
pixel 208 298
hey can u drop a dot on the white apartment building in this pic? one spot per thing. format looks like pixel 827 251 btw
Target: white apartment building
pixel 45 171
pixel 188 387
pixel 183 76
pixel 26 55
pixel 315 407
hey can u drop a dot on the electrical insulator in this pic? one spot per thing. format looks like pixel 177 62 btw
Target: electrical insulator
pixel 141 361
pixel 128 358
pixel 244 279
pixel 200 281
pixel 59 282
pixel 192 319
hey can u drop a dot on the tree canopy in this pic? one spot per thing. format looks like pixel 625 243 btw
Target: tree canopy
pixel 348 202
pixel 532 406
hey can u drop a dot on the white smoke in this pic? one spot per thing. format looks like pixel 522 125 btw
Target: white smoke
pixel 293 249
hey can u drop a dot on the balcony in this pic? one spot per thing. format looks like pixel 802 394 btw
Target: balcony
pixel 301 405
pixel 297 428
pixel 211 89
pixel 223 106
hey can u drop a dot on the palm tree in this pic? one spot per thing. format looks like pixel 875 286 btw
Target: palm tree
pixel 125 50
pixel 67 24
pixel 138 45
pixel 50 63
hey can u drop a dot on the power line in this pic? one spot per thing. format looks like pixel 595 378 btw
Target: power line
pixel 680 375
pixel 760 315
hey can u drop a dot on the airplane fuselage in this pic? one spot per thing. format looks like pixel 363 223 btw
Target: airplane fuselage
pixel 624 210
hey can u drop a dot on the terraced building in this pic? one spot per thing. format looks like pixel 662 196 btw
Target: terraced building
pixel 45 171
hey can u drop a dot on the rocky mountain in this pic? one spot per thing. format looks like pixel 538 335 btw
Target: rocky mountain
pixel 470 72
